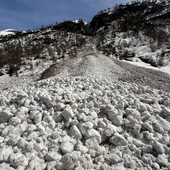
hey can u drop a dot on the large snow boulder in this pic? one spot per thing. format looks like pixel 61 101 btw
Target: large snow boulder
pixel 5 115
pixel 118 140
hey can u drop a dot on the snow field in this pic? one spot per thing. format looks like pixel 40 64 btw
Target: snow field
pixel 84 123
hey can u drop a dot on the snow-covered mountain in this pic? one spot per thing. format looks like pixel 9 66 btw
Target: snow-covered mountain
pixel 138 32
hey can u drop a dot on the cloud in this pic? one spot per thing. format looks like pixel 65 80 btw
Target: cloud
pixel 27 14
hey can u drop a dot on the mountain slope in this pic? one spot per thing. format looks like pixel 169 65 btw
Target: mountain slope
pixel 135 16
pixel 139 32
pixel 29 50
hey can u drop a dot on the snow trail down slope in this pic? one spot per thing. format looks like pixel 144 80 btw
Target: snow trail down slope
pixel 89 64
pixel 96 65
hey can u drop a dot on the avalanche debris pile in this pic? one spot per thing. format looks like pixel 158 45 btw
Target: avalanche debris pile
pixel 82 123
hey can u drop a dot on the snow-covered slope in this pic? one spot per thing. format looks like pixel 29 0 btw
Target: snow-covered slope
pixel 140 30
pixel 8 32
pixel 33 51
pixel 137 48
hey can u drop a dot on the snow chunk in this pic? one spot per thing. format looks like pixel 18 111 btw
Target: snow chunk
pixel 5 166
pixel 69 161
pixel 165 111
pixel 5 152
pixel 52 156
pixel 118 140
pixel 93 147
pixel 67 113
pixel 75 133
pixel 110 129
pixel 114 158
pixel 92 133
pixel 5 115
pixel 59 106
pixel 14 121
pixel 132 113
pixel 114 115
pixel 67 147
pixel 162 159
pixel 141 107
pixel 164 123
pixel 84 127
pixel 17 159
pixel 158 147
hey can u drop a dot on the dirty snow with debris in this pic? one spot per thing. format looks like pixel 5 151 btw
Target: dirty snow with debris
pixel 95 65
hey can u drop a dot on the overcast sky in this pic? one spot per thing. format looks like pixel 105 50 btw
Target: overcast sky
pixel 31 14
